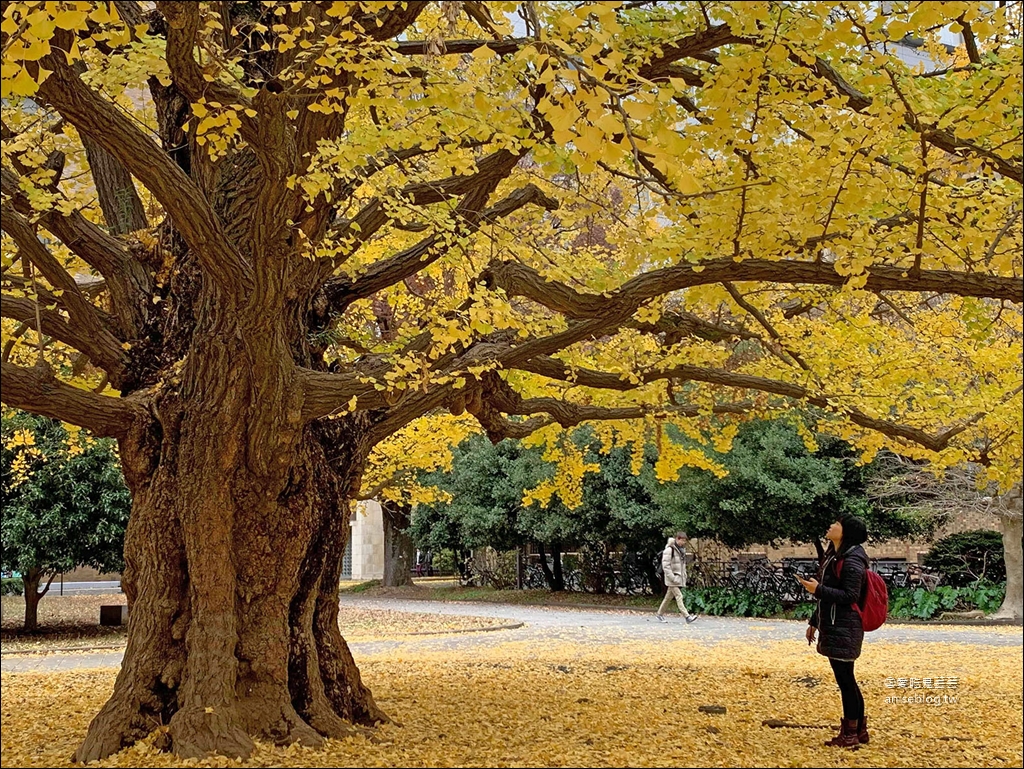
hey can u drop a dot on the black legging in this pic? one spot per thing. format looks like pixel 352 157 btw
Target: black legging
pixel 853 700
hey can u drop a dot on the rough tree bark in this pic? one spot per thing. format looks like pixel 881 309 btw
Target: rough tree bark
pixel 122 210
pixel 233 594
pixel 399 551
pixel 545 569
pixel 1011 523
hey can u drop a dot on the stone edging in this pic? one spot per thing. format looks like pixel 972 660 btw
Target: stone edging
pixel 513 626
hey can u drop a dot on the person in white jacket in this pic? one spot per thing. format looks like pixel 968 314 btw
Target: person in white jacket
pixel 673 564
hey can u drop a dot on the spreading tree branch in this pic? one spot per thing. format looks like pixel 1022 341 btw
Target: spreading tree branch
pixel 520 280
pixel 341 292
pixel 184 202
pixel 37 390
pixel 102 346
pixel 1012 168
pixel 555 369
pixel 127 279
pixel 52 323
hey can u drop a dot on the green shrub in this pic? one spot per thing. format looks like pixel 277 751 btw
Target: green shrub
pixel 11 586
pixel 497 569
pixel 803 610
pixel 968 557
pixel 909 603
pixel 719 601
pixel 444 562
pixel 988 597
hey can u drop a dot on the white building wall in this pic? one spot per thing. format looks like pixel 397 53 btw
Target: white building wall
pixel 368 541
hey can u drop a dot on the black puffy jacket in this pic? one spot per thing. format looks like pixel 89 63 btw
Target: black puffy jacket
pixel 840 632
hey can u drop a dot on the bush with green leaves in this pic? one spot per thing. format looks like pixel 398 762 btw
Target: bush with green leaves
pixel 968 557
pixel 65 503
pixel 904 603
pixel 918 603
pixel 722 601
pixel 445 561
pixel 11 586
pixel 803 610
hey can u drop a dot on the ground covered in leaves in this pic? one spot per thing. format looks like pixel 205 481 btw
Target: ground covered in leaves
pixel 70 622
pixel 527 704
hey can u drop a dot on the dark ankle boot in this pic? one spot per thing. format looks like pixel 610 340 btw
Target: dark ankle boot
pixel 847 737
pixel 862 731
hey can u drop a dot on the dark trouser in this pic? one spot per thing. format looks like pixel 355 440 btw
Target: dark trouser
pixel 853 700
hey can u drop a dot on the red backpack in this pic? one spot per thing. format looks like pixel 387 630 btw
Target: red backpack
pixel 873 606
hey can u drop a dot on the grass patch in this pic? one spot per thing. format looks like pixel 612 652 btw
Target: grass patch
pixel 361 587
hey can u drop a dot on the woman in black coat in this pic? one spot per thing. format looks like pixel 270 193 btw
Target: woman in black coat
pixel 838 623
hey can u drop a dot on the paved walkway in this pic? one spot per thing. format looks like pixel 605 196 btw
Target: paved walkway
pixel 551 625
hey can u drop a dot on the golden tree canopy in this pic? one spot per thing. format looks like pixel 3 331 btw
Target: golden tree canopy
pixel 527 216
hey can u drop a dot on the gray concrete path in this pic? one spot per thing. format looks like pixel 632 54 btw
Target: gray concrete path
pixel 85 588
pixel 551 625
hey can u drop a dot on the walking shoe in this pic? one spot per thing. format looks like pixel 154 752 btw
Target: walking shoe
pixel 661 617
pixel 690 618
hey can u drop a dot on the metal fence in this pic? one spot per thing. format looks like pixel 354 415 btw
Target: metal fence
pixel 778 579
pixel 632 573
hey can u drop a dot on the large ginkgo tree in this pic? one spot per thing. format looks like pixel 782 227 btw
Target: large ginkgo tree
pixel 266 244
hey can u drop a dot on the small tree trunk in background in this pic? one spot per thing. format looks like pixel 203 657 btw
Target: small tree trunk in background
pixel 548 576
pixel 558 583
pixel 462 564
pixel 1011 524
pixel 651 575
pixel 30 580
pixel 601 569
pixel 399 552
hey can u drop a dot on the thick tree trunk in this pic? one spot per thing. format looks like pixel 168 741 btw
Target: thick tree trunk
pixel 399 551
pixel 1011 523
pixel 232 570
